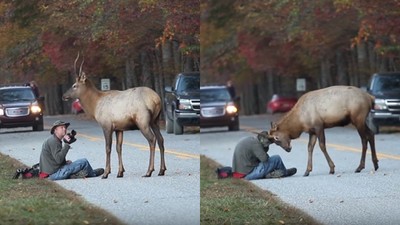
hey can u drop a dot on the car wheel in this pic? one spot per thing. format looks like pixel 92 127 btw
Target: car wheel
pixel 38 127
pixel 178 129
pixel 169 126
pixel 372 126
pixel 234 126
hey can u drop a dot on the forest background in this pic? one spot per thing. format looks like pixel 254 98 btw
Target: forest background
pixel 131 42
pixel 265 46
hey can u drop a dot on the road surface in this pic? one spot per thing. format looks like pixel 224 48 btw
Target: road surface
pixel 366 198
pixel 170 199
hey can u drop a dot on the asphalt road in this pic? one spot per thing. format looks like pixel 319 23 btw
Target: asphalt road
pixel 369 197
pixel 170 199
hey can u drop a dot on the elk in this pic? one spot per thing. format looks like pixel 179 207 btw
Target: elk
pixel 136 108
pixel 326 108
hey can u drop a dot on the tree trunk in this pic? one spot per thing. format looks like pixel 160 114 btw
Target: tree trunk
pixel 167 62
pixel 362 61
pixel 326 78
pixel 188 63
pixel 130 76
pixel 342 76
pixel 53 101
pixel 262 92
pixel 147 77
pixel 177 56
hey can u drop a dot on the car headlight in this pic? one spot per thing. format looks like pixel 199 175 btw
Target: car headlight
pixel 35 109
pixel 184 104
pixel 1 112
pixel 380 104
pixel 231 109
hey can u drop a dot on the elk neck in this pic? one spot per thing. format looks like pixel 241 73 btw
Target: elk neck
pixel 90 98
pixel 290 124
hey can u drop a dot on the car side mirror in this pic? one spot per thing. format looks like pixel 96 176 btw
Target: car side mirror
pixel 168 89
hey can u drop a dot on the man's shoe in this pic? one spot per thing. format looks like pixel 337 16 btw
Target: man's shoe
pixel 275 174
pixel 290 172
pixel 98 171
pixel 79 174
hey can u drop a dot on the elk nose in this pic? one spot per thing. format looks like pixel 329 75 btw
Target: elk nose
pixel 288 149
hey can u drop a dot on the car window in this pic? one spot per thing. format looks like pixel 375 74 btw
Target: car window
pixel 387 83
pixel 213 95
pixel 16 95
pixel 189 84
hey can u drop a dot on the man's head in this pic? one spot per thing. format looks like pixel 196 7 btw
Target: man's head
pixel 263 138
pixel 59 128
pixel 280 137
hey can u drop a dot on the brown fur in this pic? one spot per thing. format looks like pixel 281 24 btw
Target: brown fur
pixel 117 111
pixel 326 108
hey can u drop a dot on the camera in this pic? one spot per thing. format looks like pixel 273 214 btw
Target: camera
pixel 71 136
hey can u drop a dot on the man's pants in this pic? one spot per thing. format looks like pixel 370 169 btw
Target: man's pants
pixel 273 163
pixel 72 168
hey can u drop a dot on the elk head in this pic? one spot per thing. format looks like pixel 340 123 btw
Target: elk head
pixel 279 137
pixel 78 88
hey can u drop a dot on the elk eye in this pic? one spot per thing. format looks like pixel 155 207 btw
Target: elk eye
pixel 74 86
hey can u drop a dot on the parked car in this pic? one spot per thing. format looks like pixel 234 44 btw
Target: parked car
pixel 280 103
pixel 20 108
pixel 386 89
pixel 76 107
pixel 182 102
pixel 218 108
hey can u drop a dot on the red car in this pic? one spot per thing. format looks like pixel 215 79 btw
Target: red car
pixel 76 107
pixel 280 104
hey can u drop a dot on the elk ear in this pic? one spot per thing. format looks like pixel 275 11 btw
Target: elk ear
pixel 274 126
pixel 83 77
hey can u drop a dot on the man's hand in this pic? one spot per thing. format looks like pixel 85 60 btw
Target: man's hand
pixel 68 139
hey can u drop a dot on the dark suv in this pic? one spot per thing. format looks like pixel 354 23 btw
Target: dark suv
pixel 386 89
pixel 218 108
pixel 20 108
pixel 182 102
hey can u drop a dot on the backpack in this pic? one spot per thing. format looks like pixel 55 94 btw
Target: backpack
pixel 224 172
pixel 27 172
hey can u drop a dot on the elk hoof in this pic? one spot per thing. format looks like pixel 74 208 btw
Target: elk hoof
pixel 120 175
pixel 331 172
pixel 147 175
pixel 104 177
pixel 161 173
pixel 376 167
pixel 306 174
pixel 358 169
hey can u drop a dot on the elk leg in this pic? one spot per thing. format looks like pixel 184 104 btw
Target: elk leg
pixel 365 137
pixel 119 136
pixel 108 137
pixel 160 141
pixel 311 143
pixel 371 140
pixel 322 145
pixel 148 134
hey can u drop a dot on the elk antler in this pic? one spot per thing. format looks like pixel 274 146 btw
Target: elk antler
pixel 76 60
pixel 80 69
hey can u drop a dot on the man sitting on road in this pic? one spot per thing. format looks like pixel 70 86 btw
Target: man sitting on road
pixel 52 158
pixel 251 160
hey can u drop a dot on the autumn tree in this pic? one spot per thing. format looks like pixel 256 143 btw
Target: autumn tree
pixel 118 39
